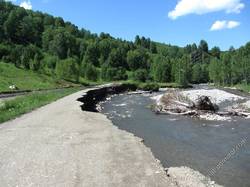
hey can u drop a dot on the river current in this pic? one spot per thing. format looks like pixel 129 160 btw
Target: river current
pixel 218 149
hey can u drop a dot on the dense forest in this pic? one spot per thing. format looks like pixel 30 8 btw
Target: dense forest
pixel 49 45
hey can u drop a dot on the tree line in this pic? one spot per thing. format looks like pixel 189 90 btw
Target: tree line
pixel 49 45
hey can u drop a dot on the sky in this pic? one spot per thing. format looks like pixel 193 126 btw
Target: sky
pixel 221 23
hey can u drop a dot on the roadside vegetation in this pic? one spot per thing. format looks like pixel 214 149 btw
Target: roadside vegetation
pixel 20 105
pixel 27 79
pixel 243 87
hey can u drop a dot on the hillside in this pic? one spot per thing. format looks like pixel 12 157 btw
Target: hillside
pixel 42 43
pixel 26 79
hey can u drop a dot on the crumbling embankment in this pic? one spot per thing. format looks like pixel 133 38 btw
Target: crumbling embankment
pixel 92 97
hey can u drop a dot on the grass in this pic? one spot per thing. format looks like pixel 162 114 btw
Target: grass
pixel 243 87
pixel 13 108
pixel 86 82
pixel 154 86
pixel 148 86
pixel 172 85
pixel 27 79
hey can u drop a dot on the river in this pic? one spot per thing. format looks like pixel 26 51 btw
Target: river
pixel 222 147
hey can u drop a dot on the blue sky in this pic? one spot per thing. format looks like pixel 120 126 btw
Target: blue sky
pixel 220 22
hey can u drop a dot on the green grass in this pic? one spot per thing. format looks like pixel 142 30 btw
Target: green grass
pixel 27 79
pixel 243 87
pixel 13 108
pixel 172 85
pixel 154 86
pixel 149 86
pixel 86 82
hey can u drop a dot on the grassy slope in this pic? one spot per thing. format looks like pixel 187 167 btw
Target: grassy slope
pixel 26 79
pixel 20 105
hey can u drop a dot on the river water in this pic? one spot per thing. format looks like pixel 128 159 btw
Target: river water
pixel 221 147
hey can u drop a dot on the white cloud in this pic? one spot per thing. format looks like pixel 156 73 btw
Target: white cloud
pixel 185 7
pixel 26 4
pixel 219 25
pixel 233 24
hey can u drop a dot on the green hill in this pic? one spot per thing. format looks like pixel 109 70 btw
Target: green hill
pixel 27 79
pixel 49 45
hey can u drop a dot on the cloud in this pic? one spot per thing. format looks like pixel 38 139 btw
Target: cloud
pixel 233 24
pixel 185 7
pixel 26 4
pixel 219 25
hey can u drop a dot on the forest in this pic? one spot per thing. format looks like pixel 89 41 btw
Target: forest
pixel 49 45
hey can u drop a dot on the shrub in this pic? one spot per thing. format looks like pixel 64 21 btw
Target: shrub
pixel 68 69
pixel 149 86
pixel 140 75
pixel 90 72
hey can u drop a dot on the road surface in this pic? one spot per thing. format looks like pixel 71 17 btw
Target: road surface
pixel 60 145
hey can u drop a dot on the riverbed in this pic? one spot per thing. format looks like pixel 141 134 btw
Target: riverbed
pixel 219 146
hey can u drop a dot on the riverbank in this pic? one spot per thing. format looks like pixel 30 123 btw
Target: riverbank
pixel 178 176
pixel 184 141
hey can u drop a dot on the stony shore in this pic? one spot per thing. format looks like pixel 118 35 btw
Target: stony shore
pixel 204 104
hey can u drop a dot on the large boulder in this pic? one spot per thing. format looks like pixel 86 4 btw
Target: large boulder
pixel 205 103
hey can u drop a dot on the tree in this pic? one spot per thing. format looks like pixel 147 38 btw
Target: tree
pixel 36 63
pixel 215 52
pixel 4 50
pixel 61 43
pixel 161 69
pixel 12 25
pixel 91 72
pixel 153 47
pixel 196 73
pixel 59 22
pixel 140 75
pixel 105 47
pixel 48 20
pixel 226 69
pixel 145 42
pixel 194 47
pixel 117 58
pixel 37 41
pixel 188 49
pixel 137 59
pixel 181 75
pixel 113 74
pixel 28 55
pixel 215 71
pixel 68 69
pixel 137 40
pixel 203 46
pixel 92 55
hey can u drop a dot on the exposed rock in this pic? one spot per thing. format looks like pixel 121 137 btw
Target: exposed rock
pixel 178 103
pixel 204 103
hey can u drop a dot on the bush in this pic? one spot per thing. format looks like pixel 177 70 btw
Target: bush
pixel 4 50
pixel 48 64
pixel 90 72
pixel 68 69
pixel 140 75
pixel 113 74
pixel 149 87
